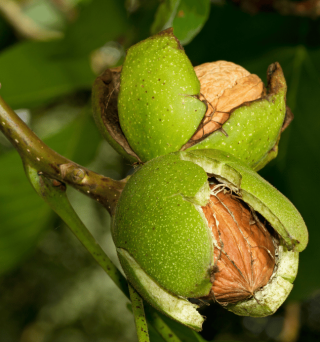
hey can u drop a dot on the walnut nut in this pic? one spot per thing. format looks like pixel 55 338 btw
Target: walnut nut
pixel 159 104
pixel 201 224
pixel 244 251
pixel 224 86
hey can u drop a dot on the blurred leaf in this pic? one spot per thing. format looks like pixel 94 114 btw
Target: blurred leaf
pixel 99 22
pixel 184 333
pixel 232 35
pixel 142 19
pixel 30 76
pixel 187 18
pixel 190 19
pixel 166 12
pixel 82 142
pixel 7 36
pixel 198 337
pixel 24 216
pixel 45 14
pixel 153 335
pixel 35 73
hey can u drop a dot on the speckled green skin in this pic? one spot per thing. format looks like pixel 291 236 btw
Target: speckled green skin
pixel 177 308
pixel 154 217
pixel 161 233
pixel 252 130
pixel 158 106
pixel 257 192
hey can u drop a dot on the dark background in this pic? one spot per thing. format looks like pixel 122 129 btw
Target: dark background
pixel 50 53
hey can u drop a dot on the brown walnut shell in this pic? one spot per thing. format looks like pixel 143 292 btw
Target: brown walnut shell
pixel 224 86
pixel 244 251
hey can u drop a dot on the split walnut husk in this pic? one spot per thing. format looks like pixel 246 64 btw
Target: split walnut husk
pixel 105 112
pixel 244 250
pixel 201 224
pixel 224 86
pixel 158 104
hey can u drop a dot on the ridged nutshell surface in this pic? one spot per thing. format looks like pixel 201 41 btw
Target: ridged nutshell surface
pixel 224 86
pixel 252 128
pixel 244 252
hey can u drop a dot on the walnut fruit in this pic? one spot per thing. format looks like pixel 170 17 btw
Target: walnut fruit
pixel 202 224
pixel 158 104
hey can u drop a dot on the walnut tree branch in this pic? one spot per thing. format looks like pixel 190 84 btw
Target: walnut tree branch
pixel 48 162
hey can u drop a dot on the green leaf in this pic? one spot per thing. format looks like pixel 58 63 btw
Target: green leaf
pixel 83 140
pixel 187 18
pixel 36 73
pixel 99 21
pixel 190 18
pixel 31 76
pixel 198 337
pixel 24 215
pixel 45 14
pixel 184 333
pixel 6 34
pixel 166 12
pixel 153 334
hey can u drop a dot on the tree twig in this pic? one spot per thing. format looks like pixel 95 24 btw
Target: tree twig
pixel 139 315
pixel 24 25
pixel 48 162
pixel 43 168
pixel 56 197
pixel 162 328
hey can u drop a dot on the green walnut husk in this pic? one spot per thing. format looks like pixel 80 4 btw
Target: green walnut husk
pixel 252 132
pixel 158 104
pixel 166 247
pixel 152 108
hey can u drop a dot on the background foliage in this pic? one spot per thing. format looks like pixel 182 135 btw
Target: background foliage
pixel 50 53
